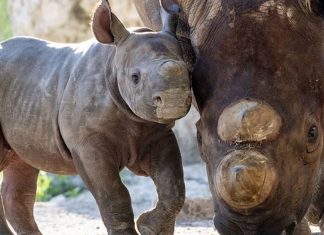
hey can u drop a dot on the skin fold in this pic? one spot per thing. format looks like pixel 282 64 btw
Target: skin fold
pixel 258 85
pixel 92 109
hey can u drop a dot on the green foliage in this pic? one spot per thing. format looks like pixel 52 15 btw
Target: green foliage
pixel 50 186
pixel 5 29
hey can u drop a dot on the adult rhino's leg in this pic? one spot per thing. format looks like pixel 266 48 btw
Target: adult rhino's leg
pixel 99 168
pixel 4 229
pixel 315 213
pixel 18 191
pixel 302 228
pixel 165 168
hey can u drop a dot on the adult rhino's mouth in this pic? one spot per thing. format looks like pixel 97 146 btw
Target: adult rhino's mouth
pixel 253 226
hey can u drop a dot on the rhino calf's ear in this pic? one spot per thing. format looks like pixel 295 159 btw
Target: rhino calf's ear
pixel 106 27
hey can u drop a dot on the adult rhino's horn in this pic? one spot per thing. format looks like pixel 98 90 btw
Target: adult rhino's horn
pixel 169 15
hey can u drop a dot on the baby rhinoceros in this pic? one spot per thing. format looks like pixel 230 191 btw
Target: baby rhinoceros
pixel 93 109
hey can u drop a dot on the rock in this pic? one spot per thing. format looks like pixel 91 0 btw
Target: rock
pixel 185 131
pixel 197 208
pixel 65 20
pixel 196 181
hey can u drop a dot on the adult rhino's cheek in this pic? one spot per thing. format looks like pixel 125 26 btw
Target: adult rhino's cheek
pixel 245 179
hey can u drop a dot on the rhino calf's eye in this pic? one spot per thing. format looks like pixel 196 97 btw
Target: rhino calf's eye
pixel 312 134
pixel 135 78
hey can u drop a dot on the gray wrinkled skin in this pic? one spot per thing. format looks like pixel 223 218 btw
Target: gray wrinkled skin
pixel 76 109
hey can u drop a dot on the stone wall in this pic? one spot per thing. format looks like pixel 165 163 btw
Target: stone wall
pixel 64 20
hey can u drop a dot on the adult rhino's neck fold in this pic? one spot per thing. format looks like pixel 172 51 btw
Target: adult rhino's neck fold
pixel 111 81
pixel 201 16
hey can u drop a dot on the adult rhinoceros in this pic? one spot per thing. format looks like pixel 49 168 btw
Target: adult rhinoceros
pixel 92 109
pixel 258 87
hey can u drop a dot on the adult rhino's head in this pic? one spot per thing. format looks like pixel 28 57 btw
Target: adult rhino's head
pixel 258 84
pixel 152 77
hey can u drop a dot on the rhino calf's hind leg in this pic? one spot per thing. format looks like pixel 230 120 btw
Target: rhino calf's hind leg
pixel 18 191
pixel 165 168
pixel 4 151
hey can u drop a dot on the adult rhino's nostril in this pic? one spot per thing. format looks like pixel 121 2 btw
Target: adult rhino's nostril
pixel 157 101
pixel 237 171
pixel 291 228
pixel 245 179
pixel 249 121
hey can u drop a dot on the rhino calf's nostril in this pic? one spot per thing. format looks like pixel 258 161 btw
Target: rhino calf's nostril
pixel 157 101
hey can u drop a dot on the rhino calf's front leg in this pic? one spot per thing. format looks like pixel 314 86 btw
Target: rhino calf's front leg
pixel 96 162
pixel 165 168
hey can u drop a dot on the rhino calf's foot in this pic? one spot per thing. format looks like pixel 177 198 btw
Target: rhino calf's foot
pixel 129 231
pixel 165 168
pixel 154 223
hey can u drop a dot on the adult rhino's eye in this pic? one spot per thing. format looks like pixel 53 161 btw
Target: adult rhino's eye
pixel 313 139
pixel 312 134
pixel 200 147
pixel 136 78
pixel 199 140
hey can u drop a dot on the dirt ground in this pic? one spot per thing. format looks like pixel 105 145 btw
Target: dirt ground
pixel 54 220
pixel 80 216
pixel 82 219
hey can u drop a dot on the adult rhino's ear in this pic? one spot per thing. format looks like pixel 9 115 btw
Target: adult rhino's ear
pixel 171 6
pixel 106 27
pixel 316 7
pixel 169 16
